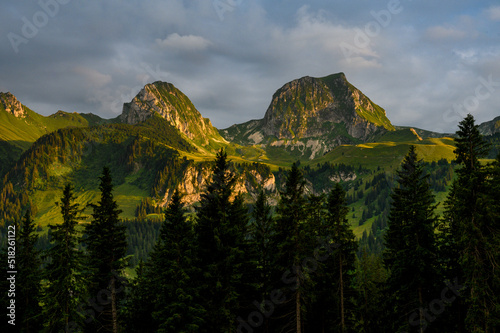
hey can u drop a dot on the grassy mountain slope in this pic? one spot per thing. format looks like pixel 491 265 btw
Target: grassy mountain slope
pixel 22 132
pixel 134 153
pixel 162 142
pixel 20 127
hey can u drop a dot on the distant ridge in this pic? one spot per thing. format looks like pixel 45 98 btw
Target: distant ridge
pixel 490 127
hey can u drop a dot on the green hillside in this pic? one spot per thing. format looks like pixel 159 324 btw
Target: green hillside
pixel 152 157
pixel 18 133
pixel 22 132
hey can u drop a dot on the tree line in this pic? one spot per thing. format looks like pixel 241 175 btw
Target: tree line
pixel 290 268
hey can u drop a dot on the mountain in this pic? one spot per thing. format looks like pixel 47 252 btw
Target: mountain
pixel 161 142
pixel 170 103
pixel 146 148
pixel 490 127
pixel 314 115
pixel 20 127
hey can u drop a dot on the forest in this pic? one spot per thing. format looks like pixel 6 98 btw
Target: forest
pixel 229 266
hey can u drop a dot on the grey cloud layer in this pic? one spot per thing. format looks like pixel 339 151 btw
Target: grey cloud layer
pixel 421 61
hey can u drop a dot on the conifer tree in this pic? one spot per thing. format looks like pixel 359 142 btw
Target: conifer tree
pixel 106 245
pixel 473 229
pixel 220 232
pixel 140 303
pixel 65 282
pixel 262 230
pixel 171 271
pixel 290 241
pixel 261 233
pixel 369 283
pixel 493 221
pixel 320 315
pixel 344 256
pixel 29 276
pixel 411 251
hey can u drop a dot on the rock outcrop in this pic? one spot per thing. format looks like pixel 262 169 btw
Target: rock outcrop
pixel 12 105
pixel 314 115
pixel 490 127
pixel 195 179
pixel 170 103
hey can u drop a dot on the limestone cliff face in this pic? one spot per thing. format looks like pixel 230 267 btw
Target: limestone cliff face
pixel 314 115
pixel 195 179
pixel 170 103
pixel 301 108
pixel 12 105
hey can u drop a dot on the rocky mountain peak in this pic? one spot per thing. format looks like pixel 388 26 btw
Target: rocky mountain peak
pixel 301 108
pixel 314 115
pixel 170 103
pixel 12 105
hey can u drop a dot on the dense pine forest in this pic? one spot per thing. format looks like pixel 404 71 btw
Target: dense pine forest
pixel 294 265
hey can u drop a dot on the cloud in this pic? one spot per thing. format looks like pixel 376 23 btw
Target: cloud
pixel 90 60
pixel 438 33
pixel 494 13
pixel 189 43
pixel 93 77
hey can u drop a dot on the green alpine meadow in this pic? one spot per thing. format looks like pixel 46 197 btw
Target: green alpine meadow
pixel 323 216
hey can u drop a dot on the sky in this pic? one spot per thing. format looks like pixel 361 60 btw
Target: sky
pixel 427 63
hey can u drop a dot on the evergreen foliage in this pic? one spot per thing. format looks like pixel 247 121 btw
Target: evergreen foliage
pixel 343 257
pixel 411 253
pixel 170 272
pixel 290 242
pixel 220 269
pixel 64 273
pixel 220 233
pixel 369 301
pixel 139 303
pixel 106 243
pixel 29 276
pixel 262 229
pixel 472 226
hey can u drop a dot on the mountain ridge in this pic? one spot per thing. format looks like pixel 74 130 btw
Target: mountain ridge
pixel 158 152
pixel 490 127
pixel 314 115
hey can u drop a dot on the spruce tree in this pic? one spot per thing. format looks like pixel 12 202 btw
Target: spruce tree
pixel 411 252
pixel 472 226
pixel 220 232
pixel 65 282
pixel 140 303
pixel 332 281
pixel 170 272
pixel 319 312
pixel 344 256
pixel 289 242
pixel 369 282
pixel 106 242
pixel 262 231
pixel 493 221
pixel 261 234
pixel 29 276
